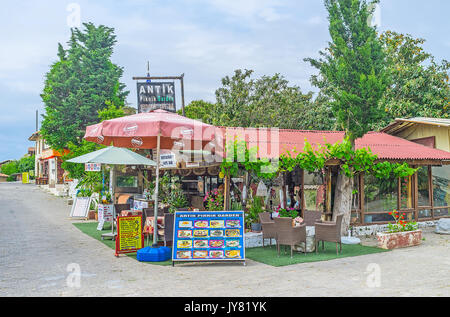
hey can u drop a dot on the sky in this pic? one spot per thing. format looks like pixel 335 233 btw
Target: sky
pixel 204 39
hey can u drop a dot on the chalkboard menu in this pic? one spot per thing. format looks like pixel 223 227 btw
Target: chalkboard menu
pixel 209 236
pixel 129 234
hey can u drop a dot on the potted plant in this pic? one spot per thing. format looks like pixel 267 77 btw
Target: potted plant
pixel 93 211
pixel 287 212
pixel 214 200
pixel 401 234
pixel 255 207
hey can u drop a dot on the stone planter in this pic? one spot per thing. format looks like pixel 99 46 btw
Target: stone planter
pixel 396 240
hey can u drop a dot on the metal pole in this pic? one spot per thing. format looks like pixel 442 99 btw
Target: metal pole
pixel 155 219
pixel 111 191
pixel 182 94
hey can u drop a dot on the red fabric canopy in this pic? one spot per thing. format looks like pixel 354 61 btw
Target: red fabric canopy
pixel 141 131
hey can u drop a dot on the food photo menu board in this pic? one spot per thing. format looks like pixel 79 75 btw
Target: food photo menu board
pixel 209 236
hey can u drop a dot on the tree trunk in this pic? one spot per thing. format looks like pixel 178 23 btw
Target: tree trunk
pixel 343 200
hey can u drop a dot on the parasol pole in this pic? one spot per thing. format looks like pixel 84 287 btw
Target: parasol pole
pixel 111 191
pixel 155 219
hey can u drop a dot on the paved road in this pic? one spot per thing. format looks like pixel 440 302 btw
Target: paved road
pixel 39 246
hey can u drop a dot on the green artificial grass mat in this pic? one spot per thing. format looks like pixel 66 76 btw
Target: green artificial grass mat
pixel 90 229
pixel 268 255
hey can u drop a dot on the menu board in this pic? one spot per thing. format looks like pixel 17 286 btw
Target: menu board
pixel 209 236
pixel 129 234
pixel 80 207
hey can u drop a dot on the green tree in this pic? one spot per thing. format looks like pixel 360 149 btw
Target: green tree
pixel 26 164
pixel 10 168
pixel 199 110
pixel 268 101
pixel 79 84
pixel 420 86
pixel 353 76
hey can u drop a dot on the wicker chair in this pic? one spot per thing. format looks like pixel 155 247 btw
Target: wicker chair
pixel 268 227
pixel 289 235
pixel 329 231
pixel 311 217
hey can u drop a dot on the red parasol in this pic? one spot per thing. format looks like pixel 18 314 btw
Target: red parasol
pixel 157 129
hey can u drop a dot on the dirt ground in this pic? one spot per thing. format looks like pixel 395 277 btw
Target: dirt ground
pixel 41 253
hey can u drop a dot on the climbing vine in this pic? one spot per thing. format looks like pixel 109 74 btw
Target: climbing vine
pixel 351 161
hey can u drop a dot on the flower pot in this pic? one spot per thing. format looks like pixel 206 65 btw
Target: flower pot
pixel 256 227
pixel 91 215
pixel 396 240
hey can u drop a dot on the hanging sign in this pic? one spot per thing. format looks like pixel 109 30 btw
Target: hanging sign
pixel 209 236
pixel 129 234
pixel 167 160
pixel 92 167
pixel 153 95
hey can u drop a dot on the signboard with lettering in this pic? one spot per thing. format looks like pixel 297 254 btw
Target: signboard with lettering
pixel 25 178
pixel 209 236
pixel 80 207
pixel 167 160
pixel 92 167
pixel 105 214
pixel 156 95
pixel 129 234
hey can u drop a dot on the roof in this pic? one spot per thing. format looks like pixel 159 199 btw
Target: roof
pixel 50 153
pixel 385 146
pixel 3 175
pixel 34 136
pixel 401 123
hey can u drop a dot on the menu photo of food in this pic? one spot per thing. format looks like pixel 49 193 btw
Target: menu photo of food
pixel 233 223
pixel 232 232
pixel 184 244
pixel 233 243
pixel 216 233
pixel 184 233
pixel 184 254
pixel 201 224
pixel 232 254
pixel 200 254
pixel 216 254
pixel 200 233
pixel 216 243
pixel 185 224
pixel 217 224
pixel 199 244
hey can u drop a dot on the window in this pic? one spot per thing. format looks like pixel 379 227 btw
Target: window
pixel 441 186
pixel 380 194
pixel 126 181
pixel 423 184
pixel 314 188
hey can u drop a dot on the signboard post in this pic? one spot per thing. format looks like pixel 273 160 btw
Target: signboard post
pixel 209 237
pixel 129 234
